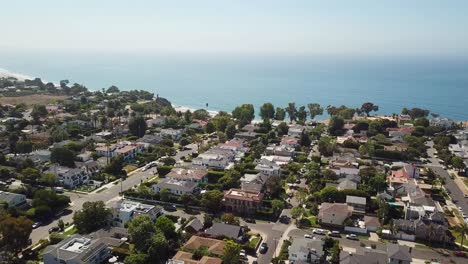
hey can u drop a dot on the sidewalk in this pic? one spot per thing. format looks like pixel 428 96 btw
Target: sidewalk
pixel 459 181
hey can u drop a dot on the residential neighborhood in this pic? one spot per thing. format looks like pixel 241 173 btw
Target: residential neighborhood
pixel 126 178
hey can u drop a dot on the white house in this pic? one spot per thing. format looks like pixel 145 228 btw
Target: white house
pixel 70 177
pixel 125 211
pixel 127 149
pixel 215 158
pixel 268 168
pixel 176 187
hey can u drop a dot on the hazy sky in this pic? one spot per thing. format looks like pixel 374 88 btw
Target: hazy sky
pixel 388 27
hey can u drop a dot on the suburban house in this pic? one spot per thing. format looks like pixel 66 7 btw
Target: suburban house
pixel 253 182
pixel 176 187
pixel 372 223
pixel 127 149
pixel 125 211
pixel 70 177
pixel 156 121
pixel 12 199
pixel 364 255
pixel 94 248
pixel 215 158
pixel 278 160
pixel 398 254
pixel 358 203
pixel 241 201
pixel 213 246
pixel 408 171
pixel 334 213
pixel 191 175
pixel 306 250
pixel 296 131
pixel 150 139
pixel 239 146
pixel 442 122
pixel 268 168
pixel 282 150
pixel 194 226
pixel 344 184
pixel 422 229
pixel 174 134
pixel 225 230
pixel 290 142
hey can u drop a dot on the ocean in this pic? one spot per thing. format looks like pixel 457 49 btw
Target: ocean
pixel 222 82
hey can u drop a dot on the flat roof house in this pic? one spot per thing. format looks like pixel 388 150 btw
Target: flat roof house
pixel 176 187
pixel 241 201
pixel 70 177
pixel 94 248
pixel 125 211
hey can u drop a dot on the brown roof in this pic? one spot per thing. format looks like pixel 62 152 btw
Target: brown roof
pixel 187 259
pixel 180 173
pixel 334 208
pixel 238 194
pixel 214 246
pixel 125 149
pixel 371 221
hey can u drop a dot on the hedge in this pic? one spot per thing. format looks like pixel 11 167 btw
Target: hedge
pixel 164 170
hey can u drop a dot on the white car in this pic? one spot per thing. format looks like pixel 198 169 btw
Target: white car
pixel 352 237
pixel 308 236
pixel 318 231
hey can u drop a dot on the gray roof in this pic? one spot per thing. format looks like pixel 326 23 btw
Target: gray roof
pixel 398 252
pixel 8 196
pixel 195 224
pixel 367 256
pixel 355 199
pixel 220 229
pixel 304 245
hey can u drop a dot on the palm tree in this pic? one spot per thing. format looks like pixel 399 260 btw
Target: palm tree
pixel 292 111
pixel 463 230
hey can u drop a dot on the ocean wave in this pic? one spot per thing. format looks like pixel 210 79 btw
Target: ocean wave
pixel 4 73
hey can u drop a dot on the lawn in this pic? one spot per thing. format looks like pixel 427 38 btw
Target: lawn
pixel 254 241
pixel 86 188
pixel 70 231
pixel 130 168
pixel 101 190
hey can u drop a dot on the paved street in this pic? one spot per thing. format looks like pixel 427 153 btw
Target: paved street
pixel 455 191
pixel 417 253
pixel 77 200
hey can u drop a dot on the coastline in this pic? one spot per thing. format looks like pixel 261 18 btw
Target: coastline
pixel 4 73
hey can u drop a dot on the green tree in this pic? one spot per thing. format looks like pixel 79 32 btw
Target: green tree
pixel 166 225
pixel 244 113
pixel 201 114
pixel 63 156
pixel 140 230
pixel 231 253
pixel 277 205
pixel 267 111
pixel 368 107
pixel 137 126
pixel 282 129
pixel 315 110
pixel 296 212
pixel 136 259
pixel 335 127
pixel 292 111
pixel 15 232
pixel 302 114
pixel 463 230
pixel 115 166
pixel 458 163
pixel 229 219
pixel 38 112
pixel 280 114
pixel 158 248
pixel 422 122
pixel 326 146
pixel 61 225
pixel 29 175
pixel 113 89
pixel 91 217
pixel 230 130
pixel 211 200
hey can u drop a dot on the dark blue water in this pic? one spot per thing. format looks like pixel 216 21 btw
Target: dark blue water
pixel 437 84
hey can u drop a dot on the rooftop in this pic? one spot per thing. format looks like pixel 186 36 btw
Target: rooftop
pixel 239 194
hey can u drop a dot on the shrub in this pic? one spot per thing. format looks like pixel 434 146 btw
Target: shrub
pixel 164 170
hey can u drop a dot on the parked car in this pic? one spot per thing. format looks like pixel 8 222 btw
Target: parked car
pixel 242 254
pixel 170 208
pixel 352 237
pixel 36 225
pixel 54 229
pixel 461 254
pixel 284 219
pixel 318 231
pixel 308 236
pixel 249 220
pixel 263 248
pixel 334 234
